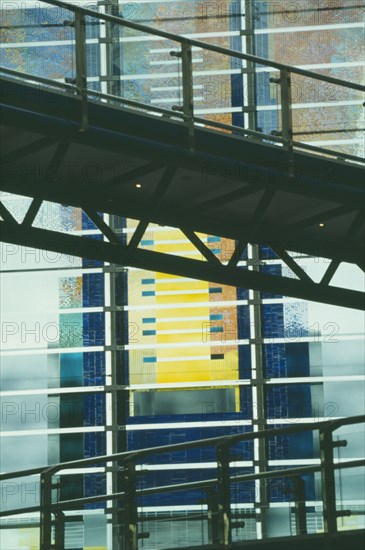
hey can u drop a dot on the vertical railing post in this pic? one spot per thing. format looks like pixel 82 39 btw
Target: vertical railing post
pixel 60 530
pixel 45 511
pixel 81 67
pixel 300 506
pixel 224 495
pixel 188 95
pixel 286 116
pixel 130 506
pixel 250 71
pixel 213 515
pixel 328 482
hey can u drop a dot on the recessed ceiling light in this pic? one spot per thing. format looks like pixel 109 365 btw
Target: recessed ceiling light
pixel 321 225
pixel 138 185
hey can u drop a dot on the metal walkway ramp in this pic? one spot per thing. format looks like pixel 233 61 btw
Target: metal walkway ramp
pixel 69 144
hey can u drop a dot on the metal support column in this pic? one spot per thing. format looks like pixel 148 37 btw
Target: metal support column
pixel 259 414
pixel 116 511
pixel 117 331
pixel 113 70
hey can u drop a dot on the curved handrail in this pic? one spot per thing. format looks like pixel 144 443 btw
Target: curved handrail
pixel 214 441
pixel 128 459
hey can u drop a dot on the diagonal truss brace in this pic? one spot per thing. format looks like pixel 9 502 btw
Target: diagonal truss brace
pixel 102 225
pixel 32 212
pixel 334 265
pixel 6 215
pixel 108 232
pixel 291 263
pixel 119 254
pixel 199 245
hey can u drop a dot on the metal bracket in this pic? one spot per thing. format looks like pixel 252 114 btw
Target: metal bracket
pixel 81 67
pixel 286 116
pixel 188 93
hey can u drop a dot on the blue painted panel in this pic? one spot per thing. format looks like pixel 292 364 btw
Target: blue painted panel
pixel 215 290
pixel 148 281
pixel 216 317
pixel 273 320
pixel 93 329
pixel 148 293
pixel 244 361
pixel 274 360
pixel 93 290
pixel 149 359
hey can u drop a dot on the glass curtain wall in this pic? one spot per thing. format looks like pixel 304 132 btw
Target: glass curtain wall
pixel 190 359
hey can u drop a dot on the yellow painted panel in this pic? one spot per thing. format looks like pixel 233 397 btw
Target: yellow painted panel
pixel 237 399
pixel 185 352
pixel 182 298
pixel 227 368
pixel 182 325
pixel 176 338
pixel 176 247
pixel 165 276
pixel 173 234
pixel 189 372
pixel 161 314
pixel 199 365
pixel 188 285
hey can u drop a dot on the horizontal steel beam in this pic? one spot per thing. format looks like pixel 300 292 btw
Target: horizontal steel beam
pixel 174 265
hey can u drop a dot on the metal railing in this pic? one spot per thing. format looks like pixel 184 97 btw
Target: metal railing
pixel 186 112
pixel 220 514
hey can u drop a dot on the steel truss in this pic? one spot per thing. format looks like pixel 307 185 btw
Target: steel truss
pixel 209 268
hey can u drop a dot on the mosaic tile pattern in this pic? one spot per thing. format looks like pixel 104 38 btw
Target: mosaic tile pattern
pixel 70 292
